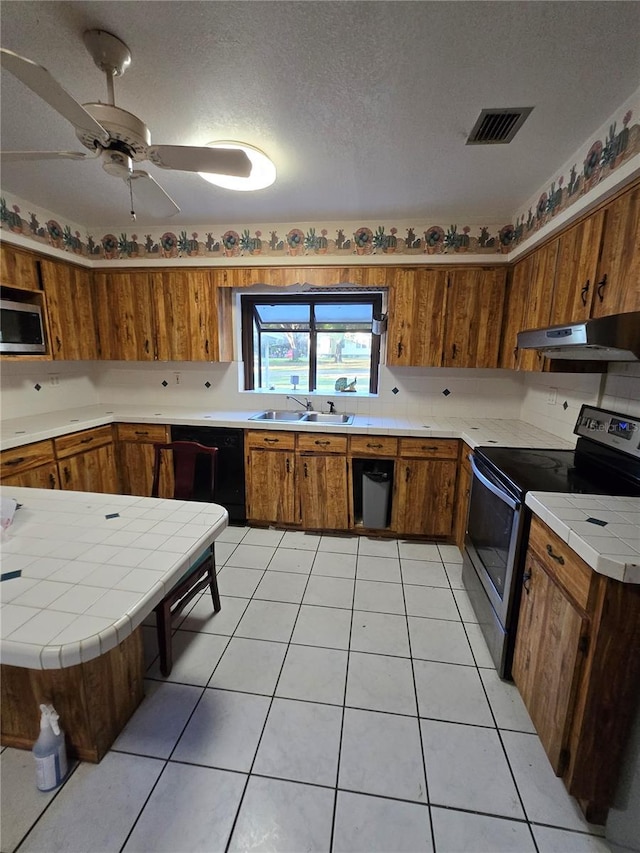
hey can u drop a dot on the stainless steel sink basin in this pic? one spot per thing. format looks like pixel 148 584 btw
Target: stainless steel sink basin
pixel 277 415
pixel 319 418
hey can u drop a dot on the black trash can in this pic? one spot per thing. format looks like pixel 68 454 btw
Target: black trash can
pixel 376 486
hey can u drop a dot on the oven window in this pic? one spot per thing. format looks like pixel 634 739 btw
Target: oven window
pixel 490 530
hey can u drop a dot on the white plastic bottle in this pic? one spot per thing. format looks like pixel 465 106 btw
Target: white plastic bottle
pixel 50 751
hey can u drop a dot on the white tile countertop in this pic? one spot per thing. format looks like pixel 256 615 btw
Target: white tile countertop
pixel 91 568
pixel 604 531
pixel 506 432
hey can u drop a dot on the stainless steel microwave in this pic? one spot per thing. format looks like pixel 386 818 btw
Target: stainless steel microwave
pixel 21 329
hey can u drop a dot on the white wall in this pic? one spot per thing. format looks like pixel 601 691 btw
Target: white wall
pixel 63 385
pixel 622 389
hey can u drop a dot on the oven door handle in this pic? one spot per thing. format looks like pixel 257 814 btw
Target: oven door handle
pixel 504 497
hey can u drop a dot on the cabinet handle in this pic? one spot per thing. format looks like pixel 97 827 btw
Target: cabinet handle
pixel 52 481
pixel 557 557
pixel 272 440
pixel 58 343
pixel 321 443
pixel 86 440
pixel 584 291
pixel 146 345
pixel 374 446
pixel 454 350
pixel 306 470
pixel 67 475
pixel 400 348
pixel 526 581
pixel 407 474
pixel 601 286
pixel 139 432
pixel 206 346
pixel 17 461
pixel 288 466
pixel 429 447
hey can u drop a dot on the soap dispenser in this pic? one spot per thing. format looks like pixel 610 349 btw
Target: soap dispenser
pixel 50 751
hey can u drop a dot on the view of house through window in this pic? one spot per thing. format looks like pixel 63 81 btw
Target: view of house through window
pixel 315 342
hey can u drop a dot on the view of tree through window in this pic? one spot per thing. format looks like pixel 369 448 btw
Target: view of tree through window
pixel 316 342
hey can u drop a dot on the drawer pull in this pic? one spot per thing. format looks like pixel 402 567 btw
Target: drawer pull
pixel 52 481
pixel 321 443
pixel 17 461
pixel 400 348
pixel 139 432
pixel 374 446
pixel 67 475
pixel 429 447
pixel 557 557
pixel 288 466
pixel 86 440
pixel 306 470
pixel 526 581
pixel 272 440
pixel 407 474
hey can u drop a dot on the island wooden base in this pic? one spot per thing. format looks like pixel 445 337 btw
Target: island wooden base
pixel 94 699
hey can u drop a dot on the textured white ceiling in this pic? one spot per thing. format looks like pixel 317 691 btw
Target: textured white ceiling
pixel 364 106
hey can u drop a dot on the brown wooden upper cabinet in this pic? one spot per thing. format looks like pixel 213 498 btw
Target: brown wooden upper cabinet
pixel 445 318
pixel 18 269
pixel 70 305
pixel 166 316
pixel 474 305
pixel 577 268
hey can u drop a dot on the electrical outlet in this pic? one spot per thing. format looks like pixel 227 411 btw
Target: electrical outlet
pixel 552 396
pixel 177 377
pixel 54 379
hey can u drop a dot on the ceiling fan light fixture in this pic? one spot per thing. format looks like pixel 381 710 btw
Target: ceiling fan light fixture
pixel 263 171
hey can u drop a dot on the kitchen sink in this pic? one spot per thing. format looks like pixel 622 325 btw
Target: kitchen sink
pixel 301 417
pixel 319 418
pixel 277 415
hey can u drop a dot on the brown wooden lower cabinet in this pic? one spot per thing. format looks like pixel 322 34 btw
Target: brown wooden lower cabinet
pixel 577 666
pixel 424 487
pixel 462 496
pixel 94 699
pixel 87 461
pixel 31 465
pixel 136 458
pixel 270 488
pixel 324 496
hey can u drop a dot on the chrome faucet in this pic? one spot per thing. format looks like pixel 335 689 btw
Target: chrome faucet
pixel 308 405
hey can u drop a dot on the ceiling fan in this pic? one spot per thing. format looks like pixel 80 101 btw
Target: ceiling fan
pixel 117 137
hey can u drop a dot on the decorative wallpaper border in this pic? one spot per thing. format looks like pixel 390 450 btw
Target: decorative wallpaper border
pixel 603 157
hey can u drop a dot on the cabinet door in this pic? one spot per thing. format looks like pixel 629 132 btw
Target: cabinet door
pixel 538 300
pixel 91 471
pixel 43 477
pixel 576 270
pixel 18 269
pixel 69 293
pixel 547 658
pixel 416 318
pixel 462 498
pixel 136 462
pixel 186 316
pixel 475 302
pixel 324 497
pixel 619 292
pixel 514 312
pixel 270 486
pixel 424 493
pixel 125 316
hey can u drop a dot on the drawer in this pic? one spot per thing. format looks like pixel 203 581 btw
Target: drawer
pixel 373 445
pixel 143 433
pixel 429 448
pixel 275 439
pixel 77 442
pixel 561 562
pixel 321 442
pixel 20 459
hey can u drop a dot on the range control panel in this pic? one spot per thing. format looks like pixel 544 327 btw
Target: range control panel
pixel 611 429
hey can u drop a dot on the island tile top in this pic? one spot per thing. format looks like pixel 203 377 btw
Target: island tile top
pixel 85 569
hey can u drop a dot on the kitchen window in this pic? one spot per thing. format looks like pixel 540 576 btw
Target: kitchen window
pixel 312 342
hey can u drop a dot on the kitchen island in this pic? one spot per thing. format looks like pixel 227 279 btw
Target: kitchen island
pixel 82 571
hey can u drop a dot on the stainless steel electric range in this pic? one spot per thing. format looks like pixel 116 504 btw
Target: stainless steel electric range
pixel 606 461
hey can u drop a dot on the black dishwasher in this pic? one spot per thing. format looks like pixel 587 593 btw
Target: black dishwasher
pixel 229 490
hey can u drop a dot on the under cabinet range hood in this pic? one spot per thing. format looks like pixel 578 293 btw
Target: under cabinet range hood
pixel 613 338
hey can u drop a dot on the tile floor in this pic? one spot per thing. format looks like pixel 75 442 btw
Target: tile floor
pixel 342 700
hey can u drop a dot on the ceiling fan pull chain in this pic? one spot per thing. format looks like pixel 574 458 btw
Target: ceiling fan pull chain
pixel 133 213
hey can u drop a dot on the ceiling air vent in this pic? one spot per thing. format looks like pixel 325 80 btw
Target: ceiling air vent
pixel 497 127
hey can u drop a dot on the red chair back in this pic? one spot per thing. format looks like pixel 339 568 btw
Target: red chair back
pixel 185 458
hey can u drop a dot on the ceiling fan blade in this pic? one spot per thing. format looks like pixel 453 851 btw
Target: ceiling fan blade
pixel 38 79
pixel 191 158
pixel 15 156
pixel 150 194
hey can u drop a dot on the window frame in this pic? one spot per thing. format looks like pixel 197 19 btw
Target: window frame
pixel 248 305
